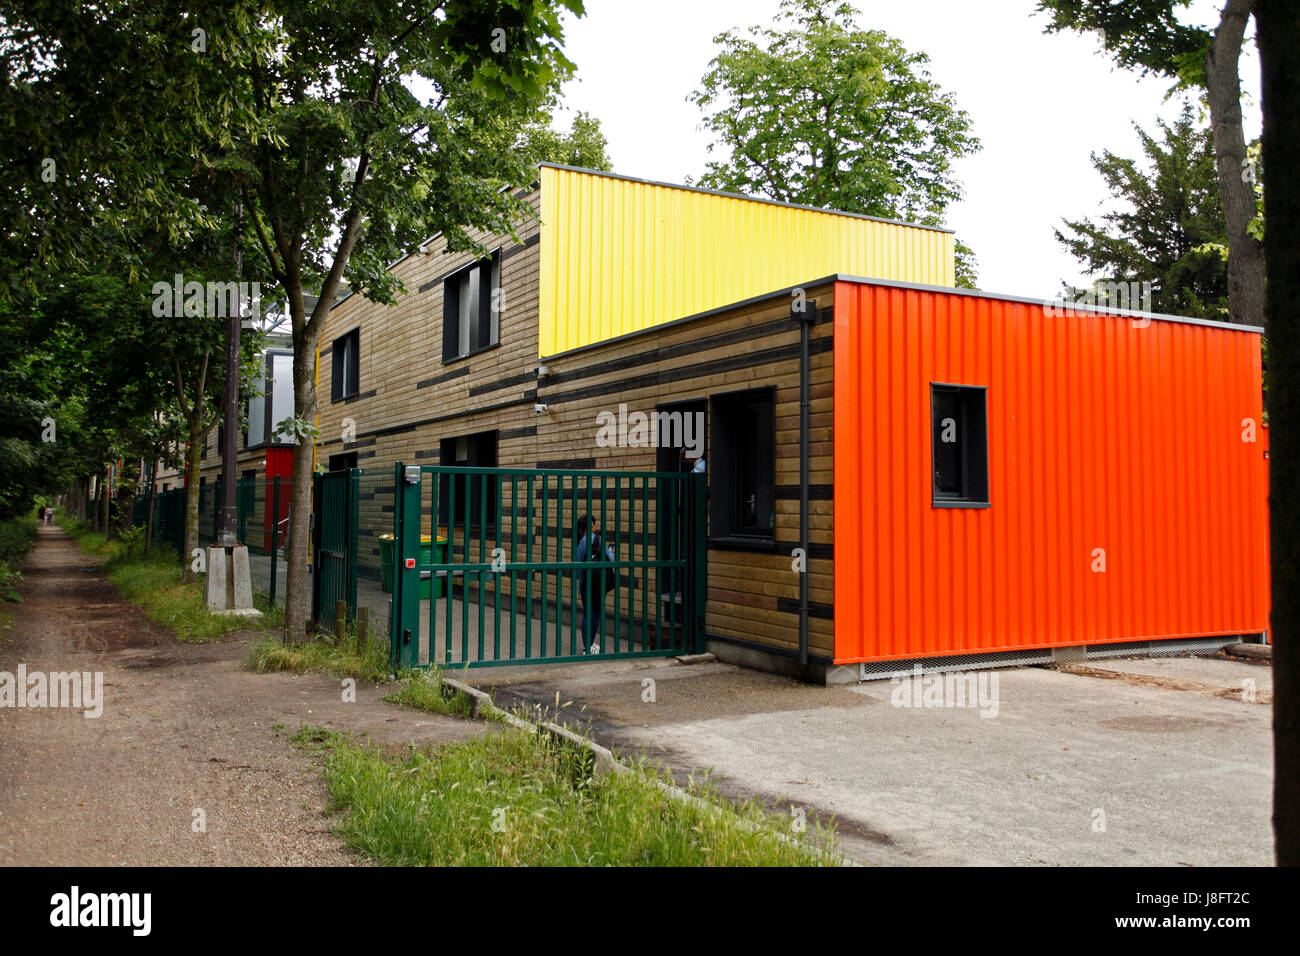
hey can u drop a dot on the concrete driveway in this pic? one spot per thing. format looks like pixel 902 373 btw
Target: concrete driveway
pixel 1160 762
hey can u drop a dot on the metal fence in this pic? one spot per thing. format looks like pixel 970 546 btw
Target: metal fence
pixel 487 570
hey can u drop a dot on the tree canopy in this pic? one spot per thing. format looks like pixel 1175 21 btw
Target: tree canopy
pixel 1168 227
pixel 816 111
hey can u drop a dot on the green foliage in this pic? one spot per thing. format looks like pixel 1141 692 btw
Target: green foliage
pixel 154 582
pixel 17 538
pixel 426 691
pixel 515 798
pixel 818 112
pixel 1168 227
pixel 583 145
pixel 324 653
pixel 1145 35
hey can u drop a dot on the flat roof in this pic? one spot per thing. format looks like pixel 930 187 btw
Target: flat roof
pixel 1028 300
pixel 917 287
pixel 758 199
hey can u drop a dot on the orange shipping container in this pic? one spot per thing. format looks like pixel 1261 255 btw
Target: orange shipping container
pixel 1124 473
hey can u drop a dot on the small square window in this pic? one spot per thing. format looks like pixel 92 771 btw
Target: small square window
pixel 959 443
pixel 346 366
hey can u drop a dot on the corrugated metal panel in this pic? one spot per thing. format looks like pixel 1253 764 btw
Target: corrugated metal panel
pixel 1102 433
pixel 620 255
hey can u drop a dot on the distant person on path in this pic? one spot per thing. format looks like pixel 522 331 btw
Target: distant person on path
pixel 40 515
pixel 588 541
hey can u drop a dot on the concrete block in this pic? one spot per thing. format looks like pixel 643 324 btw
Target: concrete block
pixel 214 590
pixel 242 578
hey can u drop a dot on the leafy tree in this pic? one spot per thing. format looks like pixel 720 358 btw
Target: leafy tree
pixel 1147 35
pixel 1169 228
pixel 816 111
pixel 583 145
pixel 307 112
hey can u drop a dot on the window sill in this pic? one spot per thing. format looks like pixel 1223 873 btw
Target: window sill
pixel 742 542
pixel 470 354
pixel 955 503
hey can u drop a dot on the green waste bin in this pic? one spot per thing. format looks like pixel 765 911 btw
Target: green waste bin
pixel 430 586
pixel 386 561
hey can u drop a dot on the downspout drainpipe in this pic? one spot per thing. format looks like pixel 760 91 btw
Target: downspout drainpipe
pixel 805 313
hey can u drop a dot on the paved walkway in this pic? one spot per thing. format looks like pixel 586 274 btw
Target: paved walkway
pixel 1155 763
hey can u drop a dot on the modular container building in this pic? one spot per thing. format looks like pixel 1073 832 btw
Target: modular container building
pixel 986 481
pixel 1106 485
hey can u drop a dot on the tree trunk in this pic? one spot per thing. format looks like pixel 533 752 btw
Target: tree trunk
pixel 1278 28
pixel 193 459
pixel 297 604
pixel 1223 91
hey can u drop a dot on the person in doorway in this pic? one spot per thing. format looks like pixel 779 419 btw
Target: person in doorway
pixel 587 587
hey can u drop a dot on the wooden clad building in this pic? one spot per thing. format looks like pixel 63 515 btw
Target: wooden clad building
pixel 967 454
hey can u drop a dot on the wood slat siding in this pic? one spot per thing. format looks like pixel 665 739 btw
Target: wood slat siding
pixel 410 400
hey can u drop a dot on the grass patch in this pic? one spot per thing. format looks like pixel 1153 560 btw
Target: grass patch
pixel 515 798
pixel 426 691
pixel 340 657
pixel 153 581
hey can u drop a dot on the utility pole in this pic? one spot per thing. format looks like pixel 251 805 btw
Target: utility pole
pixel 228 518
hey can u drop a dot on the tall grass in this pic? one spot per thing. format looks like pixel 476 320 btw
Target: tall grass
pixel 154 582
pixel 515 798
pixel 339 656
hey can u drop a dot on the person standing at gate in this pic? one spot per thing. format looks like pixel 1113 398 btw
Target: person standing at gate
pixel 587 587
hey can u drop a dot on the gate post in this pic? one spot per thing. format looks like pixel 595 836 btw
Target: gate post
pixel 353 530
pixel 697 554
pixel 404 634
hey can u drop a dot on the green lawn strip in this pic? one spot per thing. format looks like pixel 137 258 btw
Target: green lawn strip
pixel 325 653
pixel 154 582
pixel 425 690
pixel 513 798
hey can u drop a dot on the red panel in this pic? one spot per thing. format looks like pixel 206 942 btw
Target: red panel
pixel 1103 432
pixel 279 461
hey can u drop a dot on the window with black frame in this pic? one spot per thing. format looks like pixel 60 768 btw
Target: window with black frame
pixel 959 446
pixel 469 451
pixel 471 309
pixel 345 366
pixel 742 466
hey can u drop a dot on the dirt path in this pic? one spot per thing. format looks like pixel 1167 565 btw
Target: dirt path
pixel 183 728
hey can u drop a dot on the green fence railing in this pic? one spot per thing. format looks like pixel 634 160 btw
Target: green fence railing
pixel 335 510
pixel 501 581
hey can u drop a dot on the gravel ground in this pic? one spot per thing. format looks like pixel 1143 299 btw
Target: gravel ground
pixel 184 729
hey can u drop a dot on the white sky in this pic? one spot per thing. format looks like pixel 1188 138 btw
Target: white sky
pixel 1039 104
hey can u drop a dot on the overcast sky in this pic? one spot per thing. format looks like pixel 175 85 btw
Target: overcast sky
pixel 1039 105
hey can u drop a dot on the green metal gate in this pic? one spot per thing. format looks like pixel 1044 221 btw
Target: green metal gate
pixel 336 500
pixel 500 583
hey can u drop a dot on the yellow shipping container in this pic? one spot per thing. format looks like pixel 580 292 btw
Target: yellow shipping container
pixel 619 255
